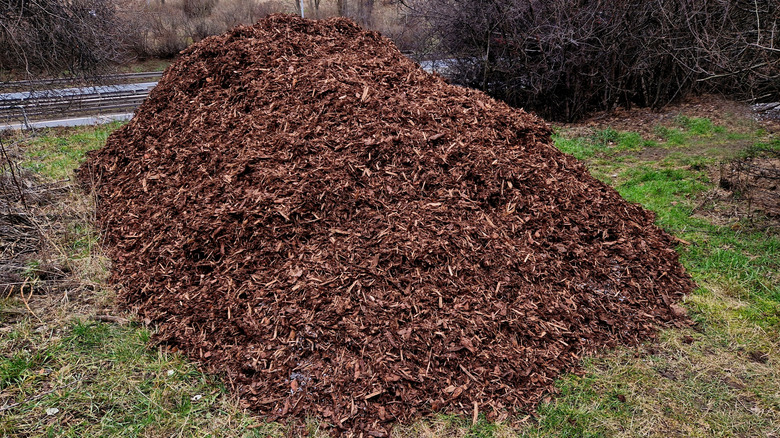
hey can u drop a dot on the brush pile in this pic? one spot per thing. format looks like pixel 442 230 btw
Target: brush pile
pixel 755 179
pixel 26 265
pixel 300 207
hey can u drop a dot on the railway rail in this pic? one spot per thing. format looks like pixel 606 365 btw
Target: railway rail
pixel 29 104
pixel 120 78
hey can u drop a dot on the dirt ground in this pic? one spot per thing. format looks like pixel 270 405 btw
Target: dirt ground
pixel 732 115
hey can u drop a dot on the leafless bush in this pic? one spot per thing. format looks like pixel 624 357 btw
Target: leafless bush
pixel 235 12
pixel 409 32
pixel 198 8
pixel 157 30
pixel 57 36
pixel 565 58
pixel 163 29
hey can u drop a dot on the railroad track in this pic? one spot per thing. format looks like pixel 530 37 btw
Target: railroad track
pixel 41 102
pixel 39 84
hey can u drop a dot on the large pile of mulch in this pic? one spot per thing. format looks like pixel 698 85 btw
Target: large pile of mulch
pixel 342 235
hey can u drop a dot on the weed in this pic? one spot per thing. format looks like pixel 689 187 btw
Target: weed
pixel 17 368
pixel 606 143
pixel 688 129
pixel 760 148
pixel 606 136
pixel 579 147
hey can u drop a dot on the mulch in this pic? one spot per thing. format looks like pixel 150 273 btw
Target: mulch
pixel 299 207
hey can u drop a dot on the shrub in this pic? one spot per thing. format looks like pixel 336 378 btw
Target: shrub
pixel 58 36
pixel 163 29
pixel 566 58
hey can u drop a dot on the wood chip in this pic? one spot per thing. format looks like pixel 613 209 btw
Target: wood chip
pixel 370 224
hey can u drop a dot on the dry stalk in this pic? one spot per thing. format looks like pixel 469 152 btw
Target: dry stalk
pixel 26 301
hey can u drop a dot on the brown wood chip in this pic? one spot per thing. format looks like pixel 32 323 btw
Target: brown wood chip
pixel 301 208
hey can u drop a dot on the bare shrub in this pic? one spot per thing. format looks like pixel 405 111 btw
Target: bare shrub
pixel 232 13
pixel 163 29
pixel 408 32
pixel 198 8
pixel 565 58
pixel 160 30
pixel 58 36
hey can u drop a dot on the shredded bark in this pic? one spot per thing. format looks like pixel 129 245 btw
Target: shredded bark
pixel 300 207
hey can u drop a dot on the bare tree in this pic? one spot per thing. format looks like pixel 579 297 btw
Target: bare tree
pixel 365 13
pixel 362 11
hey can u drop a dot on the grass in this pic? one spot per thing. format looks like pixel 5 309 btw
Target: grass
pixel 55 154
pixel 147 65
pixel 103 380
pixel 606 143
pixel 64 373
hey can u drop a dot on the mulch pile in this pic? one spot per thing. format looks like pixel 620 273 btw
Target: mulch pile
pixel 343 235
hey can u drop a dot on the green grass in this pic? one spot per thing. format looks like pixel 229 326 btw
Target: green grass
pixel 17 368
pixel 735 255
pixel 606 142
pixel 687 128
pixel 56 156
pixel 699 126
pixel 105 380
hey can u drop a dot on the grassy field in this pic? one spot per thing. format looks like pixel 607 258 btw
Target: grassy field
pixel 67 368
